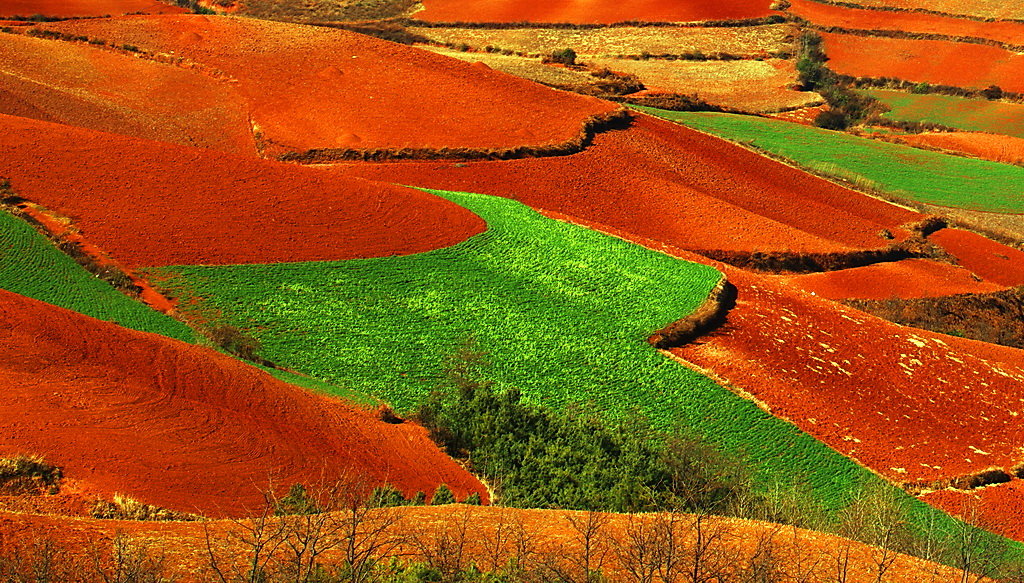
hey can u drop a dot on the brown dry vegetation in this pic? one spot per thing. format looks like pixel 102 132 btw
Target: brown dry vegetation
pixel 741 41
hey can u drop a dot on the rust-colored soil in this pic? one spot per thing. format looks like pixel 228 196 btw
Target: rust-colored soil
pixel 670 183
pixel 909 404
pixel 910 22
pixel 320 88
pixel 78 84
pixel 996 507
pixel 149 203
pixel 589 12
pixel 938 62
pixel 1006 149
pixel 492 534
pixel 993 261
pixel 911 278
pixel 71 8
pixel 181 426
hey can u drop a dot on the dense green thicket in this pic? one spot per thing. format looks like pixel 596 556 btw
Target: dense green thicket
pixel 893 169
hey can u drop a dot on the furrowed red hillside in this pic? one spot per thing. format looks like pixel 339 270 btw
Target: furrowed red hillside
pixel 673 184
pixel 322 93
pixel 148 203
pixel 184 427
pixel 83 85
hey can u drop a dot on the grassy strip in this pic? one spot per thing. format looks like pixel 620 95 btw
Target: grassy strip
pixel 978 115
pixel 899 171
pixel 32 266
pixel 563 313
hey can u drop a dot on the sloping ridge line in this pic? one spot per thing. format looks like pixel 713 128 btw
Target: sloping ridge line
pixel 618 119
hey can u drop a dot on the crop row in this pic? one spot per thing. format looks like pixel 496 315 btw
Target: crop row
pixel 896 170
pixel 32 266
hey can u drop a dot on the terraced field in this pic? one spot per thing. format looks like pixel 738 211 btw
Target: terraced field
pixel 899 171
pixel 906 22
pixel 978 115
pixel 940 62
pixel 584 12
pixel 563 311
pixel 323 93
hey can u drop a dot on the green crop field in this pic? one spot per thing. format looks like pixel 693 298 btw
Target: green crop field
pixel 32 266
pixel 976 115
pixel 899 171
pixel 563 311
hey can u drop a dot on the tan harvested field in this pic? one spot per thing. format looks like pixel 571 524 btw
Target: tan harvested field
pixel 1005 9
pixel 86 86
pixel 754 86
pixel 625 40
pixel 527 68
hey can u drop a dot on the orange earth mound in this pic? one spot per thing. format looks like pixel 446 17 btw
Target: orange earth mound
pixel 312 88
pixel 490 537
pixel 993 261
pixel 73 8
pixel 182 426
pixel 910 278
pixel 1005 149
pixel 904 402
pixel 928 61
pixel 78 84
pixel 589 12
pixel 150 204
pixel 910 22
pixel 667 182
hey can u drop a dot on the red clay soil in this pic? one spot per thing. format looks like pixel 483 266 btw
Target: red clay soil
pixel 72 8
pixel 990 260
pixel 929 61
pixel 78 84
pixel 319 88
pixel 1005 149
pixel 909 404
pixel 182 426
pixel 589 12
pixel 491 535
pixel 996 508
pixel 667 182
pixel 151 204
pixel 910 278
pixel 909 22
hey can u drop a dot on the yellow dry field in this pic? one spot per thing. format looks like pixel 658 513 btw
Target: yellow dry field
pixel 747 41
pixel 752 86
pixel 524 67
pixel 1006 9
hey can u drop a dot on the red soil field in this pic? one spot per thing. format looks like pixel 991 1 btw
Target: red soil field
pixel 910 278
pixel 993 261
pixel 78 84
pixel 938 62
pixel 909 404
pixel 1006 149
pixel 911 22
pixel 72 8
pixel 590 12
pixel 996 508
pixel 320 88
pixel 667 182
pixel 182 426
pixel 547 530
pixel 151 204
